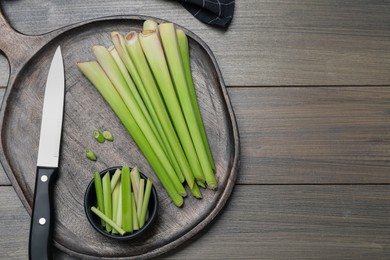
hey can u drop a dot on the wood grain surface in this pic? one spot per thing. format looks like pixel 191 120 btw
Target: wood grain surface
pixel 289 42
pixel 309 83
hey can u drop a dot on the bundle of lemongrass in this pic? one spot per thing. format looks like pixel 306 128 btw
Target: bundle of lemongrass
pixel 146 79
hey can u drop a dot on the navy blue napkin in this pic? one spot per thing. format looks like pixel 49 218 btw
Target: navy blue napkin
pixel 213 12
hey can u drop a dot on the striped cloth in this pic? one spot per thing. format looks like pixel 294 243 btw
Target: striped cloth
pixel 213 12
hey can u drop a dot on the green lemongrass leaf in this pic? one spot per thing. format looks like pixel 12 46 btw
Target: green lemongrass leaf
pixel 115 179
pixel 95 74
pixel 109 66
pixel 156 59
pixel 107 198
pixel 185 56
pixel 115 202
pixel 175 64
pixel 99 193
pixel 127 215
pixel 98 136
pixel 135 217
pixel 107 219
pixel 145 202
pixel 140 199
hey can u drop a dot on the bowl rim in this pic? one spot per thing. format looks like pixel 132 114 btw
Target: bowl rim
pixel 96 226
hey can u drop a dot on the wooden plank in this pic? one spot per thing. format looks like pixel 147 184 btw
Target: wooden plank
pixel 264 222
pixel 286 42
pixel 313 135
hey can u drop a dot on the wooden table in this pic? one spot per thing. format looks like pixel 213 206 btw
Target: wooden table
pixel 310 86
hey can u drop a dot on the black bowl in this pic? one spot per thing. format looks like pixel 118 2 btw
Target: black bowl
pixel 94 220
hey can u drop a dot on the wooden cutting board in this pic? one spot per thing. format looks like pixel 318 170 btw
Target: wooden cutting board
pixel 85 110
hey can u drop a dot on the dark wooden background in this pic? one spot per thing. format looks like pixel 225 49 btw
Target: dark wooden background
pixel 309 83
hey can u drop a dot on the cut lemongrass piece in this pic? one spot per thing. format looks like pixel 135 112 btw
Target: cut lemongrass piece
pixel 98 136
pixel 185 56
pixel 156 59
pixel 150 25
pixel 135 217
pixel 104 217
pixel 115 178
pixel 135 179
pixel 97 179
pixel 175 64
pixel 145 202
pixel 115 203
pixel 107 198
pixel 90 154
pixel 127 215
pixel 112 71
pixel 119 214
pixel 95 74
pixel 140 198
pixel 108 136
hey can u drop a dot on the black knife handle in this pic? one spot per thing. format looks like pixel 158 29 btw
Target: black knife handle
pixel 41 228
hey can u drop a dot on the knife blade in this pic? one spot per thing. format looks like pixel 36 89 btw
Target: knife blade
pixel 41 227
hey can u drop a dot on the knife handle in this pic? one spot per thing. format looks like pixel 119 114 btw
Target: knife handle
pixel 41 228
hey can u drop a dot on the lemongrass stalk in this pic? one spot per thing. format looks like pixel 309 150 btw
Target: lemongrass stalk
pixel 156 59
pixel 175 64
pixel 115 178
pixel 97 179
pixel 104 217
pixel 196 192
pixel 201 184
pixel 94 73
pixel 135 217
pixel 122 50
pixel 145 202
pixel 127 215
pixel 135 50
pixel 135 178
pixel 115 203
pixel 140 198
pixel 150 25
pixel 119 214
pixel 185 56
pixel 107 198
pixel 121 66
pixel 109 66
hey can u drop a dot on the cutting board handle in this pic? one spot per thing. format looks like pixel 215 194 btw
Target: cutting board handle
pixel 17 47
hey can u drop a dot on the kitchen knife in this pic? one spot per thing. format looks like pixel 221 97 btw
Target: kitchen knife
pixel 41 228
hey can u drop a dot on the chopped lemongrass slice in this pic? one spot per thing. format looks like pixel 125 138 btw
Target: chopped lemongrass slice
pixel 90 154
pixel 109 221
pixel 98 136
pixel 115 203
pixel 140 199
pixel 127 215
pixel 97 179
pixel 107 198
pixel 135 217
pixel 115 178
pixel 145 202
pixel 108 136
